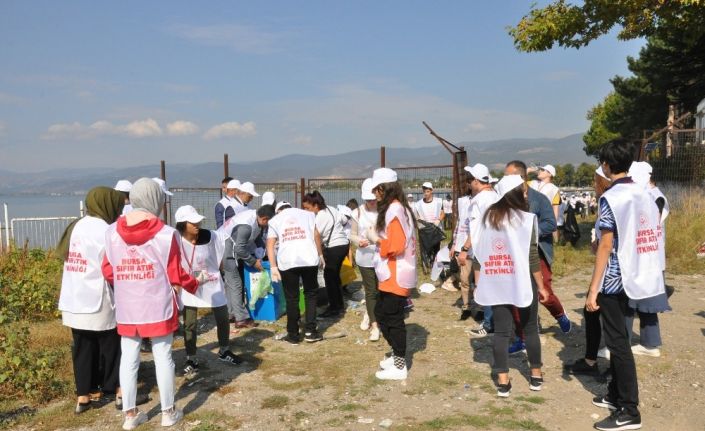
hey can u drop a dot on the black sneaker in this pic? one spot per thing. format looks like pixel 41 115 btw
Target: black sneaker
pixel 619 420
pixel 230 357
pixel 312 337
pixel 582 367
pixel 191 368
pixel 291 339
pixel 604 402
pixel 535 383
pixel 504 390
pixel 328 314
pixel 465 314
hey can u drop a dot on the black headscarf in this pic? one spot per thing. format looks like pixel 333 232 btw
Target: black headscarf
pixel 101 202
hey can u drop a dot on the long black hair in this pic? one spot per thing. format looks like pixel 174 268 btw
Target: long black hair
pixel 390 193
pixel 315 198
pixel 512 201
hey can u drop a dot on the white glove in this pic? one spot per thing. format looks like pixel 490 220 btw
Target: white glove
pixel 372 235
pixel 202 277
pixel 321 262
pixel 275 275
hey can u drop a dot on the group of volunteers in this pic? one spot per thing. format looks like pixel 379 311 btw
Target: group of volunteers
pixel 128 276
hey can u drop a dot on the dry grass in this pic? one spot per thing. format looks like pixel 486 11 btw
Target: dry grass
pixel 685 230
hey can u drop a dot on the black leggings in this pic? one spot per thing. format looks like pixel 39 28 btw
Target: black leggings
pixel 528 320
pixel 334 257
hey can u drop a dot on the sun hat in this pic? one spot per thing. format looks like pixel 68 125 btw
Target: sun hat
pixel 249 188
pixel 189 214
pixel 480 172
pixel 508 183
pixel 163 186
pixel 267 198
pixel 367 194
pixel 383 175
pixel 233 184
pixel 281 204
pixel 427 185
pixel 550 169
pixel 123 186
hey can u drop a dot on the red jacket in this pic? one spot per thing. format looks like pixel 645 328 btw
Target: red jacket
pixel 138 234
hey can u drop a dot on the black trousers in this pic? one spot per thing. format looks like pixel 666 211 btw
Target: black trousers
pixel 290 285
pixel 334 257
pixel 96 361
pixel 593 333
pixel 503 316
pixel 623 388
pixel 389 312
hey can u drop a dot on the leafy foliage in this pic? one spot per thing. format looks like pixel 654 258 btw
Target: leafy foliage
pixel 575 26
pixel 29 285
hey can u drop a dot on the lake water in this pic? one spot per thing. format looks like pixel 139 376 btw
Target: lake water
pixel 40 206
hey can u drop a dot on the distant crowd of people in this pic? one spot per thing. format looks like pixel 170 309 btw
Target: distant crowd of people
pixel 128 276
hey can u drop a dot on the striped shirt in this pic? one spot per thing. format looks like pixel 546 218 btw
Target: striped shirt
pixel 612 283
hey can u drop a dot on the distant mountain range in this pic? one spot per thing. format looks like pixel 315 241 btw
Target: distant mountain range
pixel 294 166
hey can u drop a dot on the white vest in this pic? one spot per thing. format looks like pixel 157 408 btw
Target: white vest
pixel 479 205
pixel 364 256
pixel 461 228
pixel 294 229
pixel 143 293
pixel 406 263
pixel 547 189
pixel 638 228
pixel 82 282
pixel 505 276
pixel 199 258
pixel 431 211
pixel 655 194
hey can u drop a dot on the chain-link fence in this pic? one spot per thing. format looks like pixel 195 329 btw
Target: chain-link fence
pixel 676 156
pixel 337 191
pixel 202 199
pixel 412 177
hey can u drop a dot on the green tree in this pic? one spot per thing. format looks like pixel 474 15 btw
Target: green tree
pixel 575 26
pixel 601 130
pixel 568 174
pixel 585 174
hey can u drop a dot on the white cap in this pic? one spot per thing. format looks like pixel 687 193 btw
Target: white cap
pixel 123 186
pixel 344 210
pixel 550 169
pixel 267 198
pixel 410 196
pixel 233 184
pixel 508 183
pixel 640 173
pixel 427 185
pixel 601 173
pixel 383 175
pixel 189 214
pixel 367 194
pixel 249 188
pixel 281 204
pixel 162 184
pixel 480 173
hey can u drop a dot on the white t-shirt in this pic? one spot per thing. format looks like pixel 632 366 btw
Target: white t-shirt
pixel 429 211
pixel 549 190
pixel 294 228
pixel 461 228
pixel 447 206
pixel 329 225
pixel 476 212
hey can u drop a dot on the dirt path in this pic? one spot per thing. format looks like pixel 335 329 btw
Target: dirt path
pixel 331 385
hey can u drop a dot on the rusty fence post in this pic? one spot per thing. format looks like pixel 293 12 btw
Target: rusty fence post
pixel 226 167
pixel 382 156
pixel 167 201
pixel 302 191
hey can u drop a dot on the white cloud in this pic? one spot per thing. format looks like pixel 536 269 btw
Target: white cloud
pixel 241 38
pixel 181 128
pixel 302 140
pixel 136 129
pixel 474 127
pixel 231 129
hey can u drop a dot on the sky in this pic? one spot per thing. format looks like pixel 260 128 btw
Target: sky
pixel 129 83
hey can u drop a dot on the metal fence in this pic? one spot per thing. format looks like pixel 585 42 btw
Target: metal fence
pixel 412 177
pixel 38 232
pixel 676 156
pixel 337 191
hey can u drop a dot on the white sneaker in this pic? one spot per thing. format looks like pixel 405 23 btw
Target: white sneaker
pixel 171 417
pixel 386 363
pixel 374 333
pixel 365 324
pixel 603 353
pixel 392 373
pixel 132 422
pixel 641 350
pixel 449 286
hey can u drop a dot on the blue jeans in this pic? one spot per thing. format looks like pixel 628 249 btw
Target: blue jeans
pixel 487 319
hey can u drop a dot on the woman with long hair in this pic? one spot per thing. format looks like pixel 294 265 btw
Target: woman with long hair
pixel 335 247
pixel 395 267
pixel 86 301
pixel 506 259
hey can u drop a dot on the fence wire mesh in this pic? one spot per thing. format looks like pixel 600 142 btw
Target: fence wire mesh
pixel 202 199
pixel 412 178
pixel 677 156
pixel 36 232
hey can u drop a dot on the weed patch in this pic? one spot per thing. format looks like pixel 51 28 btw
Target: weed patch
pixel 275 402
